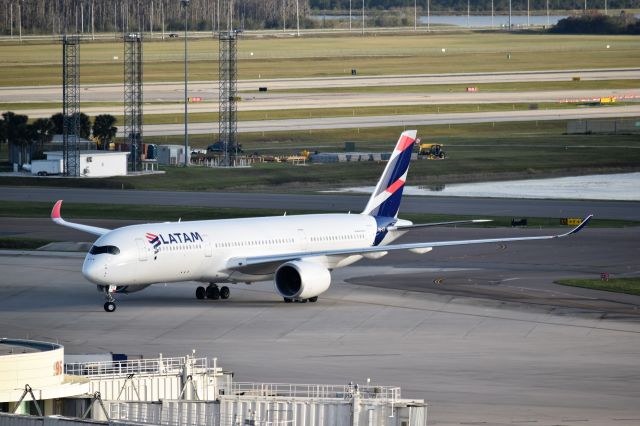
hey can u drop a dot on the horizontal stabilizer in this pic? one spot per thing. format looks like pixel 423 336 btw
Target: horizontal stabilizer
pixel 426 225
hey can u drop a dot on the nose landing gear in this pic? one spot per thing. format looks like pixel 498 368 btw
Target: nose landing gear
pixel 110 304
pixel 213 292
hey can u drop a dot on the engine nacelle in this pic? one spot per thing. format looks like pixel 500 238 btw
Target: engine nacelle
pixel 301 280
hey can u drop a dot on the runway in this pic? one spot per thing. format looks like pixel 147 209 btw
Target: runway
pixel 296 101
pixel 522 350
pixel 623 210
pixel 174 91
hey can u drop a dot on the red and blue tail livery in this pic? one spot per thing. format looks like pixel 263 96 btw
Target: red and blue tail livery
pixel 385 200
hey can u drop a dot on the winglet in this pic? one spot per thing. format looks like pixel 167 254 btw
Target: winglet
pixel 55 212
pixel 578 228
pixel 56 217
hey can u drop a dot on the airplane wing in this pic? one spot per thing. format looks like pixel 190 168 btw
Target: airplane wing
pixel 249 263
pixel 55 216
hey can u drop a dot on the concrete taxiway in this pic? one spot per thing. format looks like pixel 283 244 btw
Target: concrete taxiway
pixel 480 332
pixel 623 210
pixel 400 120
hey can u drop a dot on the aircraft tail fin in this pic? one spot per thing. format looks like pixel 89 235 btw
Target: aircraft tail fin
pixel 385 200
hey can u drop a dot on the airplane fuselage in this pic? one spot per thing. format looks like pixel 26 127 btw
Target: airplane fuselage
pixel 200 250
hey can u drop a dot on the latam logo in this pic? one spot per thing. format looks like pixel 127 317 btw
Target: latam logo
pixel 156 240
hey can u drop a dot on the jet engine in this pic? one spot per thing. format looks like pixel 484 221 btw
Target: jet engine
pixel 301 280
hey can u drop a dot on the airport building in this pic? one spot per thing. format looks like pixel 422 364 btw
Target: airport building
pixel 29 370
pixel 38 388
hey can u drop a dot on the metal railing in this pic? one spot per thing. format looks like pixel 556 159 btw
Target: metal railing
pixel 390 393
pixel 156 366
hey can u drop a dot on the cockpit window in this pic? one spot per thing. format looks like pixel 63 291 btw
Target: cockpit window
pixel 104 249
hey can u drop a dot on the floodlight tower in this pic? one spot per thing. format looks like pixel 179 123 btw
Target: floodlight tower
pixel 71 104
pixel 228 93
pixel 185 5
pixel 133 96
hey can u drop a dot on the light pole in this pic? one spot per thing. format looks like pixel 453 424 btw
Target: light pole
pixel 185 4
pixel 298 18
pixel 349 15
pixel 492 14
pixel 362 17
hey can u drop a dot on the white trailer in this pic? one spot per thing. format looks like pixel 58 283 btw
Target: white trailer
pixel 47 167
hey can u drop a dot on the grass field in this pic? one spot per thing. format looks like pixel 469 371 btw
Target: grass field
pixel 38 64
pixel 617 285
pixel 204 117
pixel 12 243
pixel 477 152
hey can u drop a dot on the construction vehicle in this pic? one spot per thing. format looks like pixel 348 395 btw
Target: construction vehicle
pixel 431 151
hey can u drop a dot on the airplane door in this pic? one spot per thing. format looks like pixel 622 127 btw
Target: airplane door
pixel 207 245
pixel 142 250
pixel 301 240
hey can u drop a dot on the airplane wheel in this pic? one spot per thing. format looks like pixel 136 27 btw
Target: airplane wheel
pixel 213 293
pixel 288 300
pixel 109 306
pixel 201 293
pixel 225 292
pixel 313 299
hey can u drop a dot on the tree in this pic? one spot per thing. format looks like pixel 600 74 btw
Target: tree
pixel 18 132
pixel 3 132
pixel 43 131
pixel 85 124
pixel 104 130
pixel 58 123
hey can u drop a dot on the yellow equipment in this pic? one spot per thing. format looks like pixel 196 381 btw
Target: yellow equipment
pixel 305 153
pixel 433 151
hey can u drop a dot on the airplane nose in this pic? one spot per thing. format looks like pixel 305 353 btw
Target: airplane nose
pixel 95 271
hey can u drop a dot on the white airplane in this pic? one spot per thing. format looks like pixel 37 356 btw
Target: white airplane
pixel 298 252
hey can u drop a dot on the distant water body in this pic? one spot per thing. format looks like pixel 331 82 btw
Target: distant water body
pixel 487 21
pixel 621 187
pixel 473 21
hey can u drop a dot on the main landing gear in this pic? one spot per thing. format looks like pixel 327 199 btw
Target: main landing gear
pixel 313 299
pixel 213 292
